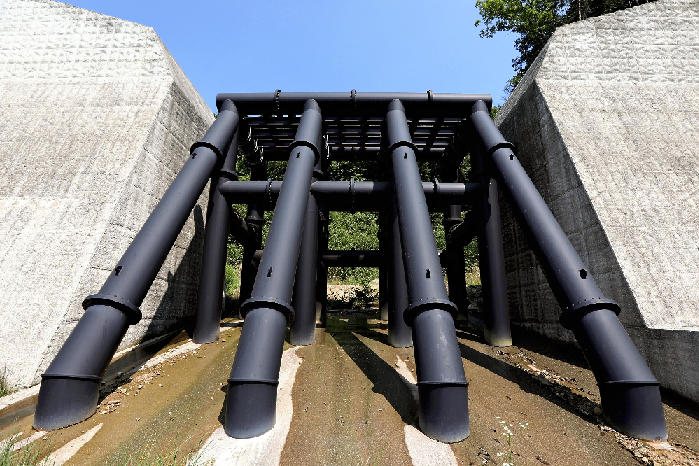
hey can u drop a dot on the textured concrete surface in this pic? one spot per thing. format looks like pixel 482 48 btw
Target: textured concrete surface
pixel 607 126
pixel 97 120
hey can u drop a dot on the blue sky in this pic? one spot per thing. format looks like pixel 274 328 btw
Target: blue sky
pixel 324 45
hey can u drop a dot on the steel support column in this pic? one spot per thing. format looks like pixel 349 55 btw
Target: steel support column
pixel 322 276
pixel 629 391
pixel 70 386
pixel 442 385
pixel 385 256
pixel 491 258
pixel 399 333
pixel 303 328
pixel 255 220
pixel 252 386
pixel 213 265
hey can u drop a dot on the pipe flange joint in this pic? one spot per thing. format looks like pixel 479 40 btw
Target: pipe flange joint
pixel 265 301
pixel 206 145
pixel 443 383
pixel 230 175
pixel 429 305
pixel 572 313
pixel 276 100
pixel 308 144
pixel 88 377
pixel 236 380
pixel 501 145
pixel 268 191
pixel 133 313
pixel 352 193
pixel 630 382
pixel 396 145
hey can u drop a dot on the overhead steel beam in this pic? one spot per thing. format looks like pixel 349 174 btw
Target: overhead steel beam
pixel 353 103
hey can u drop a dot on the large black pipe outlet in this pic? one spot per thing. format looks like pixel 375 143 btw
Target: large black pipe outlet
pixel 252 386
pixel 303 328
pixel 70 387
pixel 442 385
pixel 213 264
pixel 630 393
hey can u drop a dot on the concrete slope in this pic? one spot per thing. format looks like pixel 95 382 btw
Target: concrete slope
pixel 607 124
pixel 97 121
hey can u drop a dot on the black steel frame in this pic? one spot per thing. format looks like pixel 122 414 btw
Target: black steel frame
pixel 284 283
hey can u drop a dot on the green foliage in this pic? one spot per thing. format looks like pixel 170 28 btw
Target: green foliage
pixel 30 455
pixel 147 457
pixel 364 296
pixel 534 21
pixel 353 230
pixel 5 387
pixel 232 280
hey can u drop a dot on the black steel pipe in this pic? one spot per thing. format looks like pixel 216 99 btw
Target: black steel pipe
pixel 455 261
pixel 254 221
pixel 491 258
pixel 442 385
pixel 303 328
pixel 352 103
pixel 322 281
pixel 213 265
pixel 345 258
pixel 252 386
pixel 464 232
pixel 496 315
pixel 350 195
pixel 399 332
pixel 70 386
pixel 385 258
pixel 358 152
pixel 455 264
pixel 629 391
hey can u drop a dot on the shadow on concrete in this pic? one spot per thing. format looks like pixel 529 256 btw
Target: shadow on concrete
pixel 386 381
pixel 174 313
pixel 560 395
pixel 178 305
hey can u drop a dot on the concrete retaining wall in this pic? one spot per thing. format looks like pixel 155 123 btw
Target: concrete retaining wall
pixel 607 126
pixel 97 120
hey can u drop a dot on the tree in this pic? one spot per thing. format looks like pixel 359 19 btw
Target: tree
pixel 536 20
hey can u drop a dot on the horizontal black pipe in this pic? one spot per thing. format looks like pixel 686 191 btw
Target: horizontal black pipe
pixel 442 385
pixel 358 152
pixel 344 258
pixel 252 386
pixel 70 386
pixel 351 195
pixel 629 391
pixel 353 103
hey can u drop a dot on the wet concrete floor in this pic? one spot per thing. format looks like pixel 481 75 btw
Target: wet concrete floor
pixel 351 406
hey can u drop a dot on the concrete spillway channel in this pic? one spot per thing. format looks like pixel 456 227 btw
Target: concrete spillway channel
pixel 419 394
pixel 352 402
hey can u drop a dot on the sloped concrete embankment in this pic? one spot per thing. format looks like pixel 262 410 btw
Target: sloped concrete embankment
pixel 606 123
pixel 97 122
